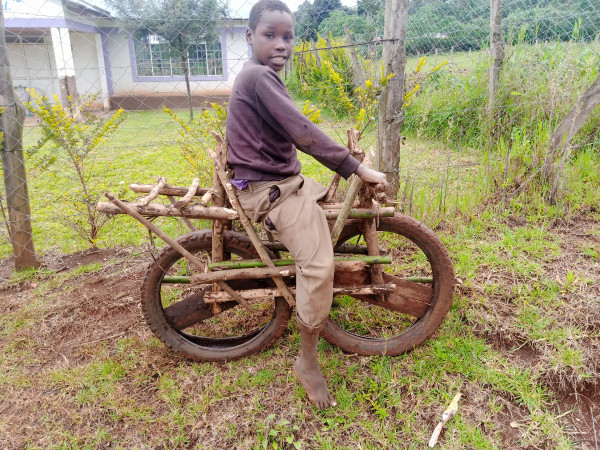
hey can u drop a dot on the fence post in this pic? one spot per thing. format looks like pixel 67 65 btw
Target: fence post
pixel 317 57
pixel 391 114
pixel 356 69
pixel 497 53
pixel 13 164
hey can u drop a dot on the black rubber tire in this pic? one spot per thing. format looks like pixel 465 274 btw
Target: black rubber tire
pixel 421 329
pixel 208 348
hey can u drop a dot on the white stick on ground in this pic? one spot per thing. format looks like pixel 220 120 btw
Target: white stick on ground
pixel 446 416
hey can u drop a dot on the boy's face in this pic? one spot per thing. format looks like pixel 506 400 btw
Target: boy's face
pixel 273 40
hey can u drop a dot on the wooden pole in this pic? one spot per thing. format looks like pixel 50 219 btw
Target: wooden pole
pixel 497 53
pixel 12 116
pixel 391 114
pixel 357 74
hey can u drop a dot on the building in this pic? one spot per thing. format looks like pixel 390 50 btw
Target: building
pixel 71 48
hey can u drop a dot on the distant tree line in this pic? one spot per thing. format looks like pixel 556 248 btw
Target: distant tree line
pixel 461 24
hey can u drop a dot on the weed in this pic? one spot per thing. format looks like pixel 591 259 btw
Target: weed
pixel 279 435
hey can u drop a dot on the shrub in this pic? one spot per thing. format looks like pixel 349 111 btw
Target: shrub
pixel 71 138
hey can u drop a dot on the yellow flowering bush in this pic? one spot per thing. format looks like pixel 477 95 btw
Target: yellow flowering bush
pixel 71 137
pixel 417 78
pixel 196 139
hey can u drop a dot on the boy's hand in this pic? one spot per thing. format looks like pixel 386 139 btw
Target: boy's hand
pixel 371 176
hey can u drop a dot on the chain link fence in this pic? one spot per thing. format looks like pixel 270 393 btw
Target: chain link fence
pixel 147 56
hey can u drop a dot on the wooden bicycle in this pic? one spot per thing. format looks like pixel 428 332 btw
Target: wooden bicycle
pixel 219 294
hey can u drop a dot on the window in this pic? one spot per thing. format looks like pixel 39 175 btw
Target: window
pixel 155 58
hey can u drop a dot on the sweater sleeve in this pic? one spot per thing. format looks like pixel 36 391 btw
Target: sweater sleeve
pixel 276 105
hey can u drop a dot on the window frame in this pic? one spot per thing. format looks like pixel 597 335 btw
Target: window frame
pixel 214 61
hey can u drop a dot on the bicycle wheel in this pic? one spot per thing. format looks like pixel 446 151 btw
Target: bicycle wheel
pixel 396 322
pixel 178 316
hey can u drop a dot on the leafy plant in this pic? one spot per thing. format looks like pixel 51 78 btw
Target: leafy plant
pixel 281 435
pixel 323 78
pixel 196 138
pixel 75 134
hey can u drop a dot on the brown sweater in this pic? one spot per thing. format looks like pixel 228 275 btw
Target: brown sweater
pixel 264 127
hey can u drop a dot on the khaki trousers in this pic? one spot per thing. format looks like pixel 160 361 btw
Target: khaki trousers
pixel 299 223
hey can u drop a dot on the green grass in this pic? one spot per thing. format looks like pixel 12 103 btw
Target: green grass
pixel 130 391
pixel 83 370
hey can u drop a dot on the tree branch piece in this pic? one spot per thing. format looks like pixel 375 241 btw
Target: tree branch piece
pixel 446 416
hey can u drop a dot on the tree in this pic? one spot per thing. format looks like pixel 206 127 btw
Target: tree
pixel 182 24
pixel 310 15
pixel 334 24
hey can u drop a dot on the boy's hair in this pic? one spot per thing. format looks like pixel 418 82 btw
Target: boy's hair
pixel 268 5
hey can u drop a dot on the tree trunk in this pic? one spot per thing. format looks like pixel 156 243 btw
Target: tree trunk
pixel 497 54
pixel 391 114
pixel 13 164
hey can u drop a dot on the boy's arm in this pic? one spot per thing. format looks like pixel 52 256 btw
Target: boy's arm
pixel 278 107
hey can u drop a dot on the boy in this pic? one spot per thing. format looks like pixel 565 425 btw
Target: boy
pixel 263 129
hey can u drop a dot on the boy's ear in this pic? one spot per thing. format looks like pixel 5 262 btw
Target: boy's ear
pixel 249 36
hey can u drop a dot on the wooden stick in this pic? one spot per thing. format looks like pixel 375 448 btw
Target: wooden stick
pixel 354 151
pixel 251 294
pixel 156 210
pixel 446 416
pixel 333 187
pixel 369 227
pixel 183 279
pixel 343 214
pixel 244 274
pixel 341 248
pixel 341 262
pixel 178 191
pixel 187 198
pixel 187 221
pixel 173 243
pixel 144 201
pixel 222 213
pixel 255 272
pixel 335 206
pixel 262 252
pixel 206 198
pixel 218 226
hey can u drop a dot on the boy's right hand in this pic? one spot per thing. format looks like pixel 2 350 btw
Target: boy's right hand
pixel 371 176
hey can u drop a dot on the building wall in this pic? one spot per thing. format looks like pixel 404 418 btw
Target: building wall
pixel 87 73
pixel 124 81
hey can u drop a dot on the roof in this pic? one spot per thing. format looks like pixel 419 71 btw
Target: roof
pixel 81 6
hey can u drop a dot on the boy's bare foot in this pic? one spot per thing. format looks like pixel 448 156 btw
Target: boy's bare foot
pixel 312 379
pixel 307 366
